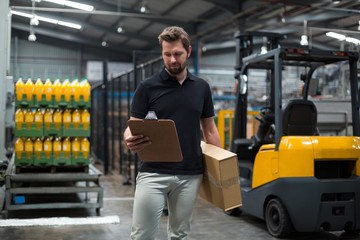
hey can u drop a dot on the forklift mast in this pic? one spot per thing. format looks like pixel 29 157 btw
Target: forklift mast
pixel 274 61
pixel 246 43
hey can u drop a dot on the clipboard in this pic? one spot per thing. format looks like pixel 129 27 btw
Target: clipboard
pixel 165 146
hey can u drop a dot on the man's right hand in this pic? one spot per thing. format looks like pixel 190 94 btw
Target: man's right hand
pixel 136 143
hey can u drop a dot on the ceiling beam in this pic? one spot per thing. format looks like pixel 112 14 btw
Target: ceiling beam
pixel 229 6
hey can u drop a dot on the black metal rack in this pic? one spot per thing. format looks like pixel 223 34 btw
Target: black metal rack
pixel 53 184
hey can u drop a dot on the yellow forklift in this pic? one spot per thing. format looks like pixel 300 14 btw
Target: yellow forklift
pixel 292 175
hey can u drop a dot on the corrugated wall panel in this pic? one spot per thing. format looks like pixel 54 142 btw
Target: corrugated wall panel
pixel 33 59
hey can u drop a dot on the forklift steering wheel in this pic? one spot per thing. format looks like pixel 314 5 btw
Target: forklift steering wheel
pixel 264 113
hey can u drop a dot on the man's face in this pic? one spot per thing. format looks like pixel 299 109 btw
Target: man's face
pixel 174 55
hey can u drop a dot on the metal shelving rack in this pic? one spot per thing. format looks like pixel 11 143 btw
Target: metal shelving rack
pixel 23 184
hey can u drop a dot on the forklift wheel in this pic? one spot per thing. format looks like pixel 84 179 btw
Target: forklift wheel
pixel 277 219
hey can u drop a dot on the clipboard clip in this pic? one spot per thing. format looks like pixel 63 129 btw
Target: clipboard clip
pixel 151 115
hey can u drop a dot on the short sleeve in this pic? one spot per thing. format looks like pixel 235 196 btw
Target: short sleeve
pixel 208 108
pixel 140 102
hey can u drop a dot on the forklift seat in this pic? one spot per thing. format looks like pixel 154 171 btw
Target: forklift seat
pixel 300 118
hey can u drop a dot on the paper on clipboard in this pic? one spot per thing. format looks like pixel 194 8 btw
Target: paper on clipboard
pixel 165 146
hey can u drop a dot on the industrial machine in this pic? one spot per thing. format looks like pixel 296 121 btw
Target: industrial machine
pixel 293 175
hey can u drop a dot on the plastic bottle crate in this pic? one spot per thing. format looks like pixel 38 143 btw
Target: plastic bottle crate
pixel 61 160
pixel 53 103
pixel 43 102
pixel 24 102
pixel 76 132
pixel 80 160
pixel 52 131
pixel 23 160
pixel 33 131
pixel 62 103
pixel 81 103
pixel 43 160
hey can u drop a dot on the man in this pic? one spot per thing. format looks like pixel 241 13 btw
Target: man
pixel 175 94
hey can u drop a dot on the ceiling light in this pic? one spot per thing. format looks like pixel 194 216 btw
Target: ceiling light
pixel 282 18
pixel 264 46
pixel 304 40
pixel 32 37
pixel 34 21
pixel 104 43
pixel 22 14
pixel 49 20
pixel 72 4
pixel 342 37
pixel 336 1
pixel 70 25
pixel 120 29
pixel 144 8
pixel 352 40
pixel 359 26
pixel 338 36
pixel 263 50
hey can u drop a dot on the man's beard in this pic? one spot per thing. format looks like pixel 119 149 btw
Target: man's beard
pixel 175 70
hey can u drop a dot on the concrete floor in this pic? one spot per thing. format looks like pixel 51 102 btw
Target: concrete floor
pixel 209 222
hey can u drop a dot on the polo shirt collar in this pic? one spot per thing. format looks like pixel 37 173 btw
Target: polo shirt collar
pixel 165 75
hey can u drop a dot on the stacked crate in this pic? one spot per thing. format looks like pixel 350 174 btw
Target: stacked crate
pixel 52 123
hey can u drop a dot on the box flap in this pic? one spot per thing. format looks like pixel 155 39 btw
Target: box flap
pixel 216 151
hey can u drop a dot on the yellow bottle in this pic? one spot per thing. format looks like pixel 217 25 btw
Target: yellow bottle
pixel 67 118
pixel 85 147
pixel 57 147
pixel 57 89
pixel 29 118
pixel 29 148
pixel 76 118
pixel 66 147
pixel 75 90
pixel 85 119
pixel 48 118
pixel 57 119
pixel 86 90
pixel 29 89
pixel 48 147
pixel 19 89
pixel 19 148
pixel 19 119
pixel 75 147
pixel 39 118
pixel 66 90
pixel 38 148
pixel 39 89
pixel 48 89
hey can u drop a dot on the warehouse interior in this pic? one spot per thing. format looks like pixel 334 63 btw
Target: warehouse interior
pixel 256 55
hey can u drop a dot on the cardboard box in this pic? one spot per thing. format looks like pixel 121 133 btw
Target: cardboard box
pixel 221 183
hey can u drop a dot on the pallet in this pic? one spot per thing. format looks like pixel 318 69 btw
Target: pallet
pixel 52 169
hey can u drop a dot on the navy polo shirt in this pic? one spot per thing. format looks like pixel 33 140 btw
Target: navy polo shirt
pixel 185 104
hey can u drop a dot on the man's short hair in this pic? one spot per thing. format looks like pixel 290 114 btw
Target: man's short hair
pixel 174 33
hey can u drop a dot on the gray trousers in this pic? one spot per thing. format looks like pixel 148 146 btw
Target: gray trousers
pixel 151 193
